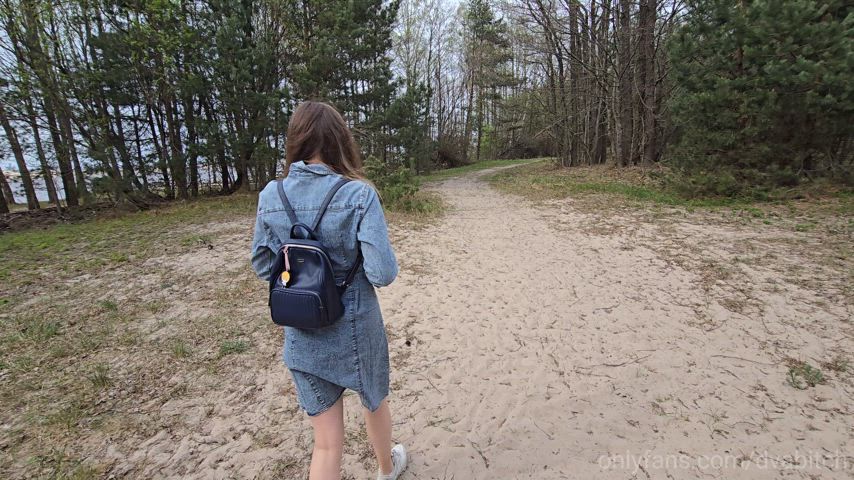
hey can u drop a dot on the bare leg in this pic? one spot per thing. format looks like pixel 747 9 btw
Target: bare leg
pixel 328 443
pixel 378 424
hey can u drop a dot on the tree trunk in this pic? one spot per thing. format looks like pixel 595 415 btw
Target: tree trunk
pixel 479 122
pixel 646 24
pixel 118 141
pixel 624 81
pixel 26 179
pixel 6 194
pixel 47 176
pixel 467 134
pixel 244 155
pixel 219 145
pixel 41 67
pixel 143 171
pixel 160 147
pixel 192 153
pixel 574 85
pixel 4 206
pixel 179 170
pixel 81 191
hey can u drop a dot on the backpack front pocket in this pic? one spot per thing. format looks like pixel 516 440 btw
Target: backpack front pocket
pixel 297 308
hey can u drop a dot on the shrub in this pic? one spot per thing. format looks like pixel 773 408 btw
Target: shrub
pixel 395 183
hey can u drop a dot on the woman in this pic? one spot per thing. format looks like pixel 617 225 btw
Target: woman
pixel 353 352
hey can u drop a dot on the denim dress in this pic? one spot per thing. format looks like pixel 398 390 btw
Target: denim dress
pixel 353 352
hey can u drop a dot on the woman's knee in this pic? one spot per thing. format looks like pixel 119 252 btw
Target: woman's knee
pixel 330 441
pixel 329 428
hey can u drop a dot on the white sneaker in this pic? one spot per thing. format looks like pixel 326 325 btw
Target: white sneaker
pixel 398 462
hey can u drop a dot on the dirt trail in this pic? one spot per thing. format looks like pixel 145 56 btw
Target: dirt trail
pixel 527 342
pixel 529 346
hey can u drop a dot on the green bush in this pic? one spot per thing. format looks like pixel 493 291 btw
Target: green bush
pixel 395 183
pixel 703 183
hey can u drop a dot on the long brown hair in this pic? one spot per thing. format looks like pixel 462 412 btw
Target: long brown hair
pixel 316 129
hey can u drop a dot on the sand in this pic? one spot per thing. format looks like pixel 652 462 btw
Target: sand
pixel 525 350
pixel 547 341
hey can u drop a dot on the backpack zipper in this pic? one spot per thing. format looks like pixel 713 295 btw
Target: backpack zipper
pixel 310 247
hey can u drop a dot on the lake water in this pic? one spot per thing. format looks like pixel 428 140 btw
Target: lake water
pixel 41 189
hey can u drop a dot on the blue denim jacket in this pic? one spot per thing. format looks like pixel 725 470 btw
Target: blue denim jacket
pixel 353 352
pixel 355 214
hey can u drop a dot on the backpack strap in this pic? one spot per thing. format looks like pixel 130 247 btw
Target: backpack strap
pixel 351 275
pixel 332 191
pixel 288 208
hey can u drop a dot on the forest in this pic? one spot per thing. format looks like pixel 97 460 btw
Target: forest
pixel 137 102
pixel 623 230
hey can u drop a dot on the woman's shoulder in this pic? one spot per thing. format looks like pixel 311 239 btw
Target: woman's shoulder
pixel 361 190
pixel 356 192
pixel 269 192
pixel 271 186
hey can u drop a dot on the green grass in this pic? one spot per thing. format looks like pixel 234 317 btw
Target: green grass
pixel 418 209
pixel 180 349
pixel 197 240
pixel 70 249
pixel 457 171
pixel 100 376
pixel 108 305
pixel 39 329
pixel 78 326
pixel 67 416
pixel 421 204
pixel 229 347
pixel 802 375
pixel 804 227
pixel 545 180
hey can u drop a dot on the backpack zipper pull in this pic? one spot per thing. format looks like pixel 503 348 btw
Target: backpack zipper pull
pixel 286 275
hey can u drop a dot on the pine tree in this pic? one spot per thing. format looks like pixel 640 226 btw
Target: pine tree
pixel 487 50
pixel 765 90
pixel 340 53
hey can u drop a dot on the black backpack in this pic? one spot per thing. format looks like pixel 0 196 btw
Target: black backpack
pixel 303 292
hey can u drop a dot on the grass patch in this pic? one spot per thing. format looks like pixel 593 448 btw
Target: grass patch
pixel 39 330
pixel 180 349
pixel 156 306
pixel 230 347
pixel 421 207
pixel 193 240
pixel 474 167
pixel 108 306
pixel 59 465
pixel 802 375
pixel 68 416
pixel 805 227
pixel 100 376
pixel 77 248
pixel 421 203
pixel 549 181
pixel 838 364
pixel 80 311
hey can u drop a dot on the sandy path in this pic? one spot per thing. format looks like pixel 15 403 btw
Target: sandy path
pixel 526 351
pixel 527 342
